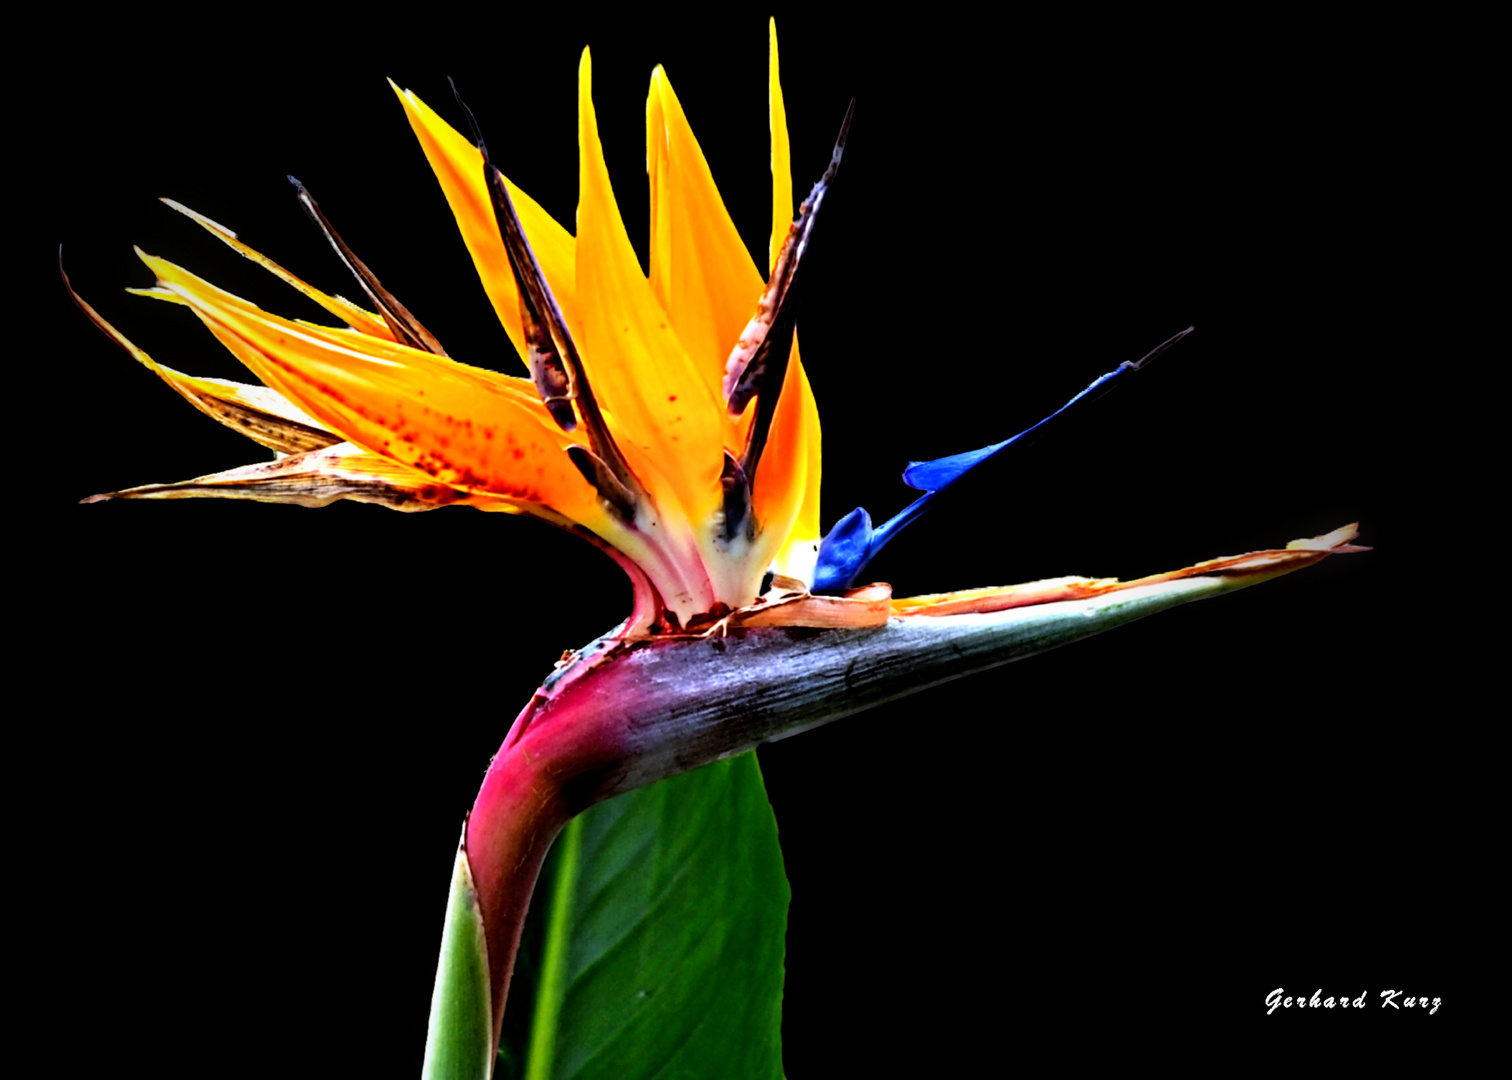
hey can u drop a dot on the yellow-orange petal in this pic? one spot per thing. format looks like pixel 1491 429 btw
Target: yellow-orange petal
pixel 263 415
pixel 798 555
pixel 468 428
pixel 777 490
pixel 458 166
pixel 701 271
pixel 799 552
pixel 632 355
pixel 357 318
pixel 782 168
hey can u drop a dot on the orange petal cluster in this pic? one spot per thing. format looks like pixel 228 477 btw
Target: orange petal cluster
pixel 359 414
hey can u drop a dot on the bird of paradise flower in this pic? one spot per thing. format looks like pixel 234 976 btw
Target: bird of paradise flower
pixel 693 463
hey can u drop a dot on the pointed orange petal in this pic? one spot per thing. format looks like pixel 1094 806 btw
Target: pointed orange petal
pixel 631 353
pixel 798 556
pixel 800 551
pixel 466 427
pixel 458 166
pixel 314 478
pixel 265 416
pixel 701 271
pixel 777 492
pixel 357 318
pixel 782 168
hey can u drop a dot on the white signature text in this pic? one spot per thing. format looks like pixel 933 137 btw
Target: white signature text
pixel 1389 999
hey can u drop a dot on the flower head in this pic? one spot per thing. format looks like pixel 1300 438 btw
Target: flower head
pixel 666 417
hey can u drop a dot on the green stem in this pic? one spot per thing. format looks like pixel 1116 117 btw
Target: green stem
pixel 459 1042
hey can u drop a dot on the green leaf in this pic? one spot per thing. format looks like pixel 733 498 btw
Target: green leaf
pixel 659 924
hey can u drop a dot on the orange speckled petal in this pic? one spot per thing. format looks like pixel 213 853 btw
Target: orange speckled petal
pixel 468 428
pixel 701 271
pixel 782 169
pixel 632 355
pixel 458 166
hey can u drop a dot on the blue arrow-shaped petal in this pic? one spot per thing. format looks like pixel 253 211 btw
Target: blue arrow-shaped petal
pixel 853 543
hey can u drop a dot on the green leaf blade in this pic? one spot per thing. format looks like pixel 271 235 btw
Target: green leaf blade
pixel 664 944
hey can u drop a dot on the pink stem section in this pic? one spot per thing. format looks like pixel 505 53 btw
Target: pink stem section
pixel 542 777
pixel 509 832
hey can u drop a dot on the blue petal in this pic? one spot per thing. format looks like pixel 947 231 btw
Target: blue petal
pixel 844 553
pixel 852 543
pixel 940 473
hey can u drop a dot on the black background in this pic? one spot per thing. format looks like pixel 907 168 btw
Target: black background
pixel 260 727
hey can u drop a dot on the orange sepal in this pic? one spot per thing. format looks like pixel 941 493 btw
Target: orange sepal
pixel 318 478
pixel 701 272
pixel 262 414
pixel 779 487
pixel 359 319
pixel 632 355
pixel 468 428
pixel 458 166
pixel 782 169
